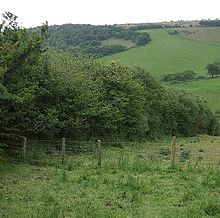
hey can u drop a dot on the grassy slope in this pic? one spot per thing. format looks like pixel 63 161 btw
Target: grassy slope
pixel 208 89
pixel 112 41
pixel 131 187
pixel 170 54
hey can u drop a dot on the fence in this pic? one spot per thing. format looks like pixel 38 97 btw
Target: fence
pixel 103 152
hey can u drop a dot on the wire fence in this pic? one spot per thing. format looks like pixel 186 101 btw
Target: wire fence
pixel 104 152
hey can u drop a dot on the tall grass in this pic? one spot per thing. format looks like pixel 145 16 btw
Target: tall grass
pixel 125 186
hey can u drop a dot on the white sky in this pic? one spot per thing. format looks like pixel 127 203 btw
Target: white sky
pixel 34 13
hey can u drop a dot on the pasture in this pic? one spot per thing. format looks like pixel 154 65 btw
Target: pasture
pixel 135 180
pixel 191 49
pixel 172 53
pixel 208 89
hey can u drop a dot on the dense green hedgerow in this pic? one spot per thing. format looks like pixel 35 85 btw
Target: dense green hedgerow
pixel 49 93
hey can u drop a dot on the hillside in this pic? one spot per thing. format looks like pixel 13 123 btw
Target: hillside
pixel 96 40
pixel 171 53
pixel 208 89
pixel 190 49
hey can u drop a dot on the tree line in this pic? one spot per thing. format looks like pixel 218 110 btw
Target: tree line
pixel 45 93
pixel 210 23
pixel 82 38
pixel 213 70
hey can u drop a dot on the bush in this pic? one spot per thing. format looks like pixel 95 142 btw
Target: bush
pixel 142 39
pixel 2 152
pixel 165 151
pixel 182 76
pixel 212 209
pixel 174 32
pixel 184 155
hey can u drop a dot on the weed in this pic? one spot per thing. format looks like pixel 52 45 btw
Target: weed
pixel 184 155
pixel 165 152
pixel 201 150
pixel 212 209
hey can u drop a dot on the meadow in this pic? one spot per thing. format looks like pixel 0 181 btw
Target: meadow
pixel 208 89
pixel 171 53
pixel 191 49
pixel 131 182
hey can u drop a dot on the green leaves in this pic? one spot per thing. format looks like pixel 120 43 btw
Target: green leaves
pixel 53 93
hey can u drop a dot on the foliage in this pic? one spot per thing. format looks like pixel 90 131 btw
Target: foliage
pixel 145 27
pixel 182 76
pixel 22 76
pixel 165 152
pixel 49 93
pixel 106 50
pixel 174 32
pixel 214 124
pixel 81 38
pixel 142 39
pixel 210 23
pixel 184 155
pixel 213 69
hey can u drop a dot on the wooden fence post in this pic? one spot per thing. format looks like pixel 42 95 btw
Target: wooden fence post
pixel 173 152
pixel 99 153
pixel 24 147
pixel 63 149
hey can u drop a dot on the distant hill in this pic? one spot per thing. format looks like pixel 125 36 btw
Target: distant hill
pixel 189 48
pixel 110 39
pixel 208 89
pixel 169 47
pixel 97 40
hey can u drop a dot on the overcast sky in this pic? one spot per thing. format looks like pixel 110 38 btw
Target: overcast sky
pixel 34 13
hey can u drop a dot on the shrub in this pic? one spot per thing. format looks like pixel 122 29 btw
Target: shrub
pixel 184 155
pixel 142 39
pixel 174 32
pixel 182 76
pixel 212 209
pixel 165 151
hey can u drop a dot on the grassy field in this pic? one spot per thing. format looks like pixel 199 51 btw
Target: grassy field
pixel 136 183
pixel 191 49
pixel 170 54
pixel 208 89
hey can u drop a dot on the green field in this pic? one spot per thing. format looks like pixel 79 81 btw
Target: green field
pixel 170 54
pixel 134 182
pixel 191 49
pixel 208 89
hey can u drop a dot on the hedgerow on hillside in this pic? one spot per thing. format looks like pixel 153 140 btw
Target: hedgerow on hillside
pixel 88 39
pixel 47 93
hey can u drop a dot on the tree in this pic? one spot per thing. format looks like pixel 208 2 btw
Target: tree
pixel 182 76
pixel 50 93
pixel 22 75
pixel 142 39
pixel 213 69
